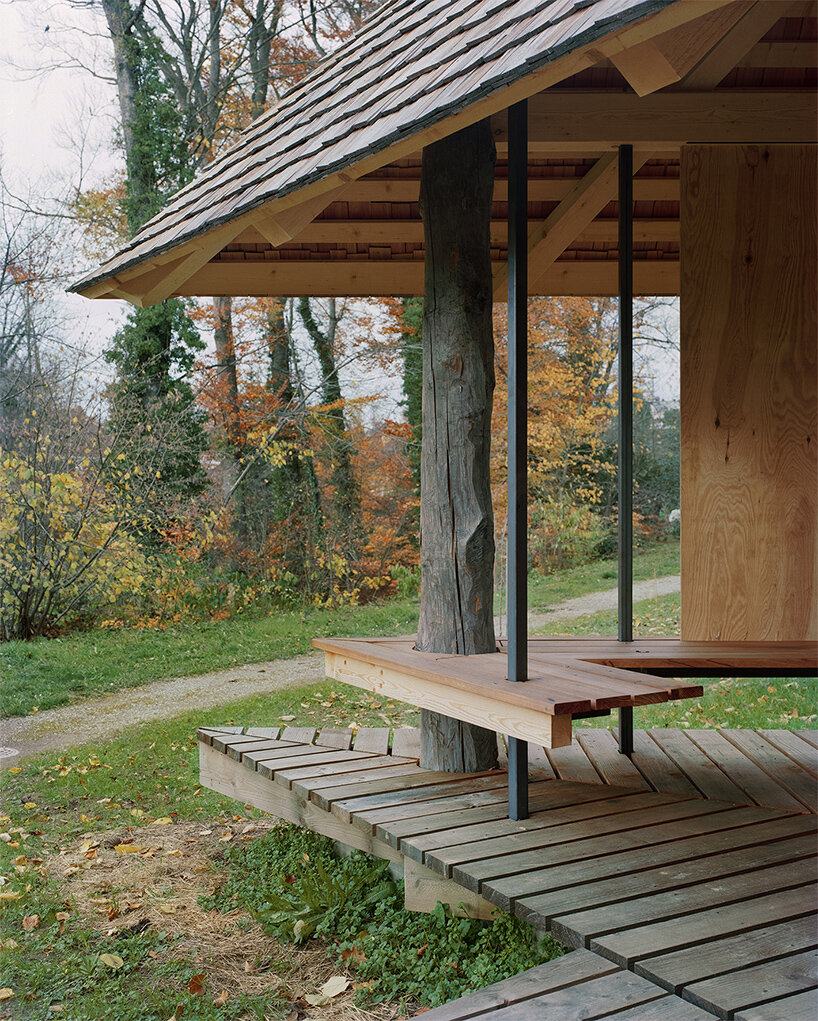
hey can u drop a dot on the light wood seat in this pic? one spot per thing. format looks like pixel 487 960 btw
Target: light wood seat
pixel 568 677
pixel 476 689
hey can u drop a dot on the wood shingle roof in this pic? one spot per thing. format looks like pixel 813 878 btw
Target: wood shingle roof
pixel 416 71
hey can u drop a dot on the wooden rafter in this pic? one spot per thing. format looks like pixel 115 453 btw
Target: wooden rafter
pixel 549 239
pixel 284 226
pixel 667 58
pixel 752 27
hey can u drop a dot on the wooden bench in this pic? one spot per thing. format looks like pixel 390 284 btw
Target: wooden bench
pixel 569 678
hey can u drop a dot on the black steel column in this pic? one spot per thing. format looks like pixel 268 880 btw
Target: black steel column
pixel 625 484
pixel 517 604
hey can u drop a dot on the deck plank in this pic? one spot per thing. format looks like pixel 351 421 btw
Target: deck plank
pixel 302 735
pixel 810 736
pixel 681 820
pixel 626 948
pixel 542 909
pixel 406 741
pixel 372 739
pixel 423 829
pixel 727 831
pixel 571 763
pixel 602 749
pixel 794 748
pixel 697 767
pixel 757 783
pixel 681 968
pixel 348 807
pixel 799 785
pixel 801 1007
pixel 561 973
pixel 659 770
pixel 749 987
pixel 491 836
pixel 582 926
pixel 557 827
pixel 270 767
pixel 335 737
pixel 363 790
pixel 596 998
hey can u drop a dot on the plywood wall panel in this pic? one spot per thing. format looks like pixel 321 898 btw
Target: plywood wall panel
pixel 748 388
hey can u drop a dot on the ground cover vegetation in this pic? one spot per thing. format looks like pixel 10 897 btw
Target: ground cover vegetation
pixel 130 892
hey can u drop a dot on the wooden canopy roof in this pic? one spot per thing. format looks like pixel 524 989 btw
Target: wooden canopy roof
pixel 320 194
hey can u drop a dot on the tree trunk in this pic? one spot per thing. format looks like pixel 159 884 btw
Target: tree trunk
pixel 456 520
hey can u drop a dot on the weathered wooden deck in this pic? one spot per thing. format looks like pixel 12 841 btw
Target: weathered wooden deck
pixel 686 877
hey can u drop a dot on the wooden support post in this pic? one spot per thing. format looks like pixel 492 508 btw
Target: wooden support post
pixel 456 519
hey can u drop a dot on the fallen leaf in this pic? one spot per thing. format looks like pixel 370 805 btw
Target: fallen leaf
pixel 167 909
pixel 164 821
pixel 62 916
pixel 221 999
pixel 6 994
pixel 9 895
pixel 177 1013
pixel 286 719
pixel 9 944
pixel 30 922
pixel 111 961
pixel 335 986
pixel 58 1008
pixel 196 985
pixel 175 851
pixel 250 828
pixel 127 849
pixel 353 956
pixel 317 999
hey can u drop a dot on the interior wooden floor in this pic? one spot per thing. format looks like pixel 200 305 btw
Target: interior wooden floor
pixel 686 878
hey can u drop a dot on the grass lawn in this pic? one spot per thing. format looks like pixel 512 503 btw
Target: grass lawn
pixel 547 589
pixel 48 673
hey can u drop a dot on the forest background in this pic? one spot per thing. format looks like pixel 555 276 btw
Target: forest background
pixel 213 458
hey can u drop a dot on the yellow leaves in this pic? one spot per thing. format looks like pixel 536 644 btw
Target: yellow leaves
pixel 6 993
pixel 113 961
pixel 127 849
pixel 9 895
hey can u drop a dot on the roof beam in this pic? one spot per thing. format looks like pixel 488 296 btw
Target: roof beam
pixel 363 278
pixel 410 232
pixel 752 27
pixel 540 189
pixel 577 121
pixel 667 58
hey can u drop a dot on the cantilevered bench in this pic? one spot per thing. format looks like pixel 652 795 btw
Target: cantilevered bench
pixel 568 678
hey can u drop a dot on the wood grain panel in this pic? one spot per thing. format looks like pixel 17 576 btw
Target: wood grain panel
pixel 748 361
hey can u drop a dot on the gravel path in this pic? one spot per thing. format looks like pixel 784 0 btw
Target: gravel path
pixel 100 718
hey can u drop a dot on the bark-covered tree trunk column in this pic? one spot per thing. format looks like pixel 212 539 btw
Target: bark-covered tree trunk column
pixel 456 520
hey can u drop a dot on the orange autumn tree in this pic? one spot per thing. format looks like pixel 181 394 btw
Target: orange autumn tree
pixel 572 351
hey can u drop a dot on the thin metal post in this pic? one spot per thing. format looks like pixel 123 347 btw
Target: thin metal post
pixel 517 438
pixel 625 483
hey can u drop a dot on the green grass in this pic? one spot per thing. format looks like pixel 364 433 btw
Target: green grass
pixel 48 673
pixel 547 589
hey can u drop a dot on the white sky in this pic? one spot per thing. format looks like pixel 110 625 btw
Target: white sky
pixel 57 128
